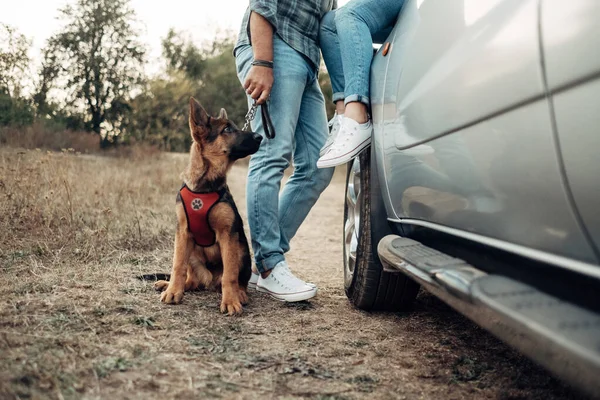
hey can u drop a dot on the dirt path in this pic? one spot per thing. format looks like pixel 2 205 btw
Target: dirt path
pixel 88 329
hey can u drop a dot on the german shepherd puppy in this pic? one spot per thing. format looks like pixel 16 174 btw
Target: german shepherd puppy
pixel 224 260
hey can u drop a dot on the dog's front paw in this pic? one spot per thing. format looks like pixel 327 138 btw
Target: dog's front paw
pixel 159 286
pixel 172 296
pixel 231 305
pixel 243 296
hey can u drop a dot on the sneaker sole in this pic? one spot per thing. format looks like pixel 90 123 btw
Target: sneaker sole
pixel 347 157
pixel 325 149
pixel 254 286
pixel 289 298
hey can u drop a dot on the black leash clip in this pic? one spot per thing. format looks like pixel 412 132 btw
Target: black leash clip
pixel 266 119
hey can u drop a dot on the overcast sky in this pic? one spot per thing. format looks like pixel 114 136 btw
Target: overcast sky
pixel 201 18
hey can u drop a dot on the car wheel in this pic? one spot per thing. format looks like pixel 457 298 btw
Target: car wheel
pixel 367 285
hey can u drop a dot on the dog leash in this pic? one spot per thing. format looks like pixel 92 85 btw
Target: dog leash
pixel 266 119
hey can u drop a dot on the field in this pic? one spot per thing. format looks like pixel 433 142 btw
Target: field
pixel 75 323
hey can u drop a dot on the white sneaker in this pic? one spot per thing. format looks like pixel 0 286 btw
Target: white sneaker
pixel 253 280
pixel 282 285
pixel 254 277
pixel 351 139
pixel 287 269
pixel 334 128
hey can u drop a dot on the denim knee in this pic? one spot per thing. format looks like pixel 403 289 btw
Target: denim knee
pixel 270 165
pixel 319 178
pixel 322 177
pixel 345 16
pixel 327 25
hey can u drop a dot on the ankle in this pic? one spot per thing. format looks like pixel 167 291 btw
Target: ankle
pixel 266 274
pixel 357 111
pixel 340 107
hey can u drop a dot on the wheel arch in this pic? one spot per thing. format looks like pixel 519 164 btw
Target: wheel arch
pixel 380 225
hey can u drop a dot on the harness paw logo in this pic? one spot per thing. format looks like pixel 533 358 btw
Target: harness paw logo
pixel 197 204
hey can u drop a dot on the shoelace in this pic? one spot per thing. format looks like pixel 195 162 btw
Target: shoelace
pixel 283 285
pixel 285 270
pixel 344 133
pixel 292 277
pixel 333 124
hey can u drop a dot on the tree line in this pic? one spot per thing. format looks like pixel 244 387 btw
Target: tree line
pixel 91 79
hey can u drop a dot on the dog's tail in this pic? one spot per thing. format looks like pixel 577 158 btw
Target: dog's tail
pixel 154 277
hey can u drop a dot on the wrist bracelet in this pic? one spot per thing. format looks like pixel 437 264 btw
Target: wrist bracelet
pixel 263 63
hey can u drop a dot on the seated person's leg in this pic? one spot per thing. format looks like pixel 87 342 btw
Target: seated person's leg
pixel 356 24
pixel 330 48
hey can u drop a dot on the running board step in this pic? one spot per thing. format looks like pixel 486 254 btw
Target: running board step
pixel 563 337
pixel 400 254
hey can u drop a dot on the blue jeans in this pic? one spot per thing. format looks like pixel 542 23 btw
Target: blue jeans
pixel 347 36
pixel 297 110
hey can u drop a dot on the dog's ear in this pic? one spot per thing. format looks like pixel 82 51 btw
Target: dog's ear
pixel 223 114
pixel 199 120
pixel 198 116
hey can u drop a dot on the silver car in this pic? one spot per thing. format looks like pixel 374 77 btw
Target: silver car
pixel 482 184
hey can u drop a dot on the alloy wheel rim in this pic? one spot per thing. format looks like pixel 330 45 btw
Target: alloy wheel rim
pixel 352 222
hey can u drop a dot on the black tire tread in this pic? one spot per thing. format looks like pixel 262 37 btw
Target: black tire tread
pixel 372 288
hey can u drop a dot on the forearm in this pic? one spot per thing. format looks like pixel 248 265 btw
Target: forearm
pixel 261 33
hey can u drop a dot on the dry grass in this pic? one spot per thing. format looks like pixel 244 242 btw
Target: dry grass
pixel 75 230
pixel 39 136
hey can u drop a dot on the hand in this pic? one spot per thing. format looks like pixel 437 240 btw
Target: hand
pixel 258 83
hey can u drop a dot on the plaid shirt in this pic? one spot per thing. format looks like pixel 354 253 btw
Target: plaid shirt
pixel 295 21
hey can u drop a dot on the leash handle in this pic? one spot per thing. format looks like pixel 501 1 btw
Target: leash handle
pixel 267 123
pixel 266 119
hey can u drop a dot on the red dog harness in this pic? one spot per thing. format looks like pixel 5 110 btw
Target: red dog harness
pixel 197 207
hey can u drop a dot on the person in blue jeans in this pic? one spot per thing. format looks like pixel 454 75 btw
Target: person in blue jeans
pixel 346 38
pixel 277 59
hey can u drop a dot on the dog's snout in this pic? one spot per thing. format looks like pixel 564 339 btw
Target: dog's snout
pixel 257 137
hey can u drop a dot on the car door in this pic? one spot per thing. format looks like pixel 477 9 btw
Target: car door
pixel 464 79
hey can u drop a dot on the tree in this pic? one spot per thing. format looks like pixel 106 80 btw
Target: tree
pixel 183 55
pixel 14 60
pixel 212 67
pixel 221 87
pixel 160 114
pixel 49 72
pixel 100 61
pixel 14 110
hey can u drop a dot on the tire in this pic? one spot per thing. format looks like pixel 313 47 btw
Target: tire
pixel 367 285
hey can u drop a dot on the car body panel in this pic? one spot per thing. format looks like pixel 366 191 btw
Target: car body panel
pixel 578 125
pixel 494 169
pixel 571 40
pixel 377 91
pixel 448 55
pixel 498 179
